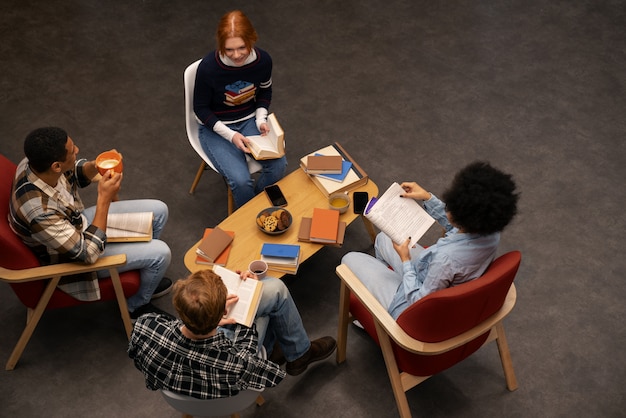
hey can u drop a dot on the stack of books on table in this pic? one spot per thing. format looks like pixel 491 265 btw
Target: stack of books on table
pixel 323 227
pixel 351 177
pixel 281 257
pixel 214 247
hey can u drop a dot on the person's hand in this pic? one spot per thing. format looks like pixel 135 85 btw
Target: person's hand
pixel 403 250
pixel 243 275
pixel 264 129
pixel 109 185
pixel 414 191
pixel 230 301
pixel 241 142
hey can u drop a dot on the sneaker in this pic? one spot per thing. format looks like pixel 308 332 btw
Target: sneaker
pixel 164 287
pixel 149 308
pixel 277 355
pixel 319 350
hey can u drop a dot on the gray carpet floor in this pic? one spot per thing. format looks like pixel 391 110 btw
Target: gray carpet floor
pixel 414 90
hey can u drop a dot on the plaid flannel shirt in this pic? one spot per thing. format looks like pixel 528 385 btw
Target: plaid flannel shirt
pixel 53 227
pixel 215 367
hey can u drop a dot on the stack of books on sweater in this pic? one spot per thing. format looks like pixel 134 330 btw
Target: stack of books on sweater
pixel 281 257
pixel 323 227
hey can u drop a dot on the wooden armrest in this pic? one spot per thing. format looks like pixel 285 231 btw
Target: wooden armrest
pixel 403 339
pixel 63 269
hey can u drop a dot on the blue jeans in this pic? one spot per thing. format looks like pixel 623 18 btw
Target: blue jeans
pixel 278 319
pixel 231 162
pixel 151 258
pixel 374 272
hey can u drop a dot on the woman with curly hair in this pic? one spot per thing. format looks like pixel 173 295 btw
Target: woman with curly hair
pixel 480 203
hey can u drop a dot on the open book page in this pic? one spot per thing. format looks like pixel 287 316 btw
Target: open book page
pixel 129 226
pixel 399 217
pixel 271 145
pixel 249 292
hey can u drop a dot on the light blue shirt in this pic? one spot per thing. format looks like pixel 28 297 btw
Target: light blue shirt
pixel 455 258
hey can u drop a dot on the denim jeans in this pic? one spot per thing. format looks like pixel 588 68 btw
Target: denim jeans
pixel 231 162
pixel 278 319
pixel 375 272
pixel 151 258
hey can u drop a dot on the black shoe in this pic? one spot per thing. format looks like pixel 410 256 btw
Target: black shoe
pixel 164 287
pixel 149 308
pixel 319 350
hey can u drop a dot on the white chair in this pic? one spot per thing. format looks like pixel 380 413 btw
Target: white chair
pixel 193 407
pixel 192 126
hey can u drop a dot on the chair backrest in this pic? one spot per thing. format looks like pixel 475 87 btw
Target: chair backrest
pixel 457 309
pixel 191 124
pixel 14 254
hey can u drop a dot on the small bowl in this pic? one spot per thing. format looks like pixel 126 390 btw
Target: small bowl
pixel 274 220
pixel 339 201
pixel 109 160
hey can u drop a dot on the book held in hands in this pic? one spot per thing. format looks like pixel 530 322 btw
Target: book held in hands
pixel 398 217
pixel 129 227
pixel 249 292
pixel 272 145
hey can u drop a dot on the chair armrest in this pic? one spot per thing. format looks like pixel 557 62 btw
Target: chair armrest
pixel 404 340
pixel 63 269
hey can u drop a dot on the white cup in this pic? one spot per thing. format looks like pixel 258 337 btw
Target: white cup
pixel 258 267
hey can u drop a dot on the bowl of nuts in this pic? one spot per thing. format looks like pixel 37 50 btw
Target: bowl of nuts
pixel 274 220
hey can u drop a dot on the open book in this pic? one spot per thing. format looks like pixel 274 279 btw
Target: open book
pixel 127 227
pixel 398 217
pixel 272 145
pixel 249 292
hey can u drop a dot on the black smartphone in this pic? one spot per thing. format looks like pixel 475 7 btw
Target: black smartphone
pixel 275 195
pixel 360 200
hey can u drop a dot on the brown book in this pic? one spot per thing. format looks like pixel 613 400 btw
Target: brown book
pixel 304 234
pixel 214 244
pixel 222 258
pixel 324 164
pixel 356 177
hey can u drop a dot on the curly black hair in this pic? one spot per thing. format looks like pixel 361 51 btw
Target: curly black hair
pixel 481 199
pixel 44 146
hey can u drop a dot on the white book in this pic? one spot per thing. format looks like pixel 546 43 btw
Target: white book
pixel 249 292
pixel 398 217
pixel 132 226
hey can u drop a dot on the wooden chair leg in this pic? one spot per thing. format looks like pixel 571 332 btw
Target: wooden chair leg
pixel 231 201
pixel 370 228
pixel 32 321
pixel 344 318
pixel 121 301
pixel 393 372
pixel 198 175
pixel 505 358
pixel 260 400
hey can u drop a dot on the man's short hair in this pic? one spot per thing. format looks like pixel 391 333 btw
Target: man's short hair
pixel 482 199
pixel 44 146
pixel 200 300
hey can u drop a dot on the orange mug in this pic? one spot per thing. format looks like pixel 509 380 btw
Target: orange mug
pixel 109 160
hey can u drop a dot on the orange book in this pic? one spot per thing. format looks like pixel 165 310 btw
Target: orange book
pixel 222 257
pixel 324 225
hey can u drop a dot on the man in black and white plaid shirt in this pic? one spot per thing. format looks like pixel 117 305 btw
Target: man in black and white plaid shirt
pixel 206 356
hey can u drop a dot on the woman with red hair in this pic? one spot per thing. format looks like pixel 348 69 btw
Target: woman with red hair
pixel 232 96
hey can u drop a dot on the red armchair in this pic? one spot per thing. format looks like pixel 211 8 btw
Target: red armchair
pixel 35 285
pixel 437 331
